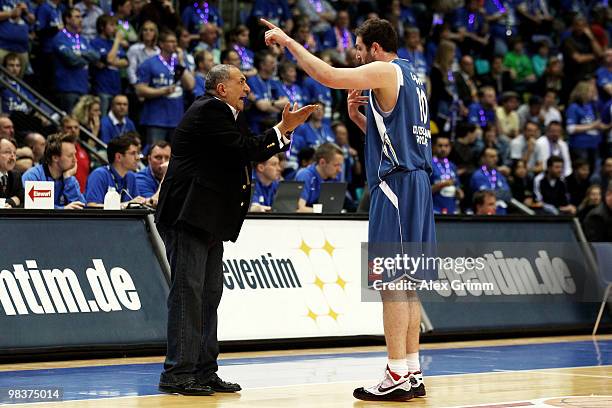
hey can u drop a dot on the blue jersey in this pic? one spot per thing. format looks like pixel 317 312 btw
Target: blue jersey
pixel 419 64
pixel 578 114
pixel 484 179
pixel 478 115
pixel 309 136
pixel 444 201
pixel 195 15
pixel 66 190
pixel 401 139
pixel 108 79
pixel 163 111
pixel 14 33
pixel 293 92
pixel 73 53
pixel 104 177
pixel 264 195
pixel 312 183
pixel 315 91
pixel 110 128
pixel 48 20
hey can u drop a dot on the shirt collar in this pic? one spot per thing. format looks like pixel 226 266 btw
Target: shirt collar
pixel 234 110
pixel 116 175
pixel 114 119
pixel 2 173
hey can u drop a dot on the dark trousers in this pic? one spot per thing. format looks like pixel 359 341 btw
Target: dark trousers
pixel 195 292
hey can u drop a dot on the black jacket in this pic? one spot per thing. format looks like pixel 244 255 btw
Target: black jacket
pixel 208 182
pixel 598 224
pixel 14 188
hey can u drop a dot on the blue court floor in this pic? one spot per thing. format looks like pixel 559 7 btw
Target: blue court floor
pixel 97 382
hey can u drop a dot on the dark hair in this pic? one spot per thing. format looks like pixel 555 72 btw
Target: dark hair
pixel 535 100
pixel 164 34
pixel 116 4
pixel 327 151
pixel 479 197
pixel 103 20
pixel 162 144
pixel 578 162
pixel 68 13
pixel 260 57
pixel 284 66
pixel 224 55
pixel 552 160
pixel 306 153
pixel 54 146
pixel 380 31
pixel 553 122
pixel 464 128
pixel 10 56
pixel 440 136
pixel 121 145
pixel 531 122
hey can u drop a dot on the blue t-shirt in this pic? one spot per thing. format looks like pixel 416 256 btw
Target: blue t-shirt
pixel 500 27
pixel 264 195
pixel 419 64
pixel 444 201
pixel 472 22
pixel 604 77
pixel 329 39
pixel 13 32
pixel 312 183
pixel 578 114
pixel 106 176
pixel 478 115
pixel 262 89
pixel 315 91
pixel 492 180
pixel 163 111
pixel 72 58
pixel 275 11
pixel 109 131
pixel 307 136
pixel 195 16
pixel 400 140
pixel 66 190
pixel 12 102
pixel 294 92
pixel 146 182
pixel 48 18
pixel 200 85
pixel 108 79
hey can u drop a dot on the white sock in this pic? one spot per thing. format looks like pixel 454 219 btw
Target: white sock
pixel 412 361
pixel 398 366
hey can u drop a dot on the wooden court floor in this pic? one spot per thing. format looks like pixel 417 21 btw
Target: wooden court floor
pixel 500 373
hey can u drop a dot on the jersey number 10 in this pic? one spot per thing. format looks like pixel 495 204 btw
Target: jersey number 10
pixel 423 108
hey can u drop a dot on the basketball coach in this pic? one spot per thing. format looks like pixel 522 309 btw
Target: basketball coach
pixel 203 201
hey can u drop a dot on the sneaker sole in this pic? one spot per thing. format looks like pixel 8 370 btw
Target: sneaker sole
pixel 394 396
pixel 419 391
pixel 170 389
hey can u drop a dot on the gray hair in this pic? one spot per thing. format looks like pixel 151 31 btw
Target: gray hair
pixel 217 75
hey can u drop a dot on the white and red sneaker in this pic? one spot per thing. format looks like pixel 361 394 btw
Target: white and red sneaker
pixel 416 380
pixel 393 387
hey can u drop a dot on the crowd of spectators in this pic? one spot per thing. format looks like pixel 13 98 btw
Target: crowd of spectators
pixel 519 94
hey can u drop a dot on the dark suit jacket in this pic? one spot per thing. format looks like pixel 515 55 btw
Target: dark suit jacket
pixel 598 224
pixel 14 187
pixel 208 182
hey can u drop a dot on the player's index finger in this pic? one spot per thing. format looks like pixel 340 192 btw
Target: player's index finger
pixel 267 23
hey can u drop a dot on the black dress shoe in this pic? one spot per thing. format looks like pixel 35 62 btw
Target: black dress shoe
pixel 218 385
pixel 189 387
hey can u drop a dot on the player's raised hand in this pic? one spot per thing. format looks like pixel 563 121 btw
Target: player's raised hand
pixel 355 100
pixel 275 35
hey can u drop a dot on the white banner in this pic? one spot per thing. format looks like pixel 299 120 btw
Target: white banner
pixel 296 278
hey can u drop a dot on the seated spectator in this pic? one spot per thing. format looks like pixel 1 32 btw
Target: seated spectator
pixel 507 118
pixel 311 134
pixel 143 50
pixel 466 82
pixel 523 146
pixel 531 111
pixel 105 72
pixel 87 111
pixel 73 54
pixel 117 122
pixel 90 13
pixel 598 222
pixel 287 86
pixel 578 182
pixel 266 107
pixel 320 13
pixel 11 187
pixel 604 176
pixel 499 77
pixel 488 178
pixel 7 130
pixel 552 78
pixel 591 200
pixel 198 13
pixel 209 37
pixel 485 203
pixel 339 38
pixel 465 152
pixel 521 185
pixel 552 144
pixel 550 188
pixel 352 165
pixel 14 31
pixel 549 110
pixel 230 57
pixel 60 166
pixel 204 62
pixel 266 180
pixel 583 127
pixel 149 179
pixel 413 51
pixel 239 42
pixel 123 155
pixel 490 139
pixel 315 91
pixel 24 160
pixel 162 81
pixel 539 61
pixel 326 168
pixel 483 113
pixel 520 65
pixel 305 158
pixel 303 35
pixel 37 143
pixel 70 126
pixel 445 185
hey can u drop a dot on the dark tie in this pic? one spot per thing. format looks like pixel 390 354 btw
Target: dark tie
pixel 3 182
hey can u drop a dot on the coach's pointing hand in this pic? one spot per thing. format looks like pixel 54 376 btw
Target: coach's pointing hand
pixel 275 35
pixel 293 118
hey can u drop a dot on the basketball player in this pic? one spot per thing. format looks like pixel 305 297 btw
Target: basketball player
pixel 398 164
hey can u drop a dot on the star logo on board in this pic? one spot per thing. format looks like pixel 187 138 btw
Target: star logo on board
pixel 329 248
pixel 305 248
pixel 312 315
pixel 333 314
pixel 341 282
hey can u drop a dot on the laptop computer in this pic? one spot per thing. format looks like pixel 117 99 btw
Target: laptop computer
pixel 287 196
pixel 332 197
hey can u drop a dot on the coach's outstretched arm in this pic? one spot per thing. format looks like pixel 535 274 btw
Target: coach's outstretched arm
pixel 374 75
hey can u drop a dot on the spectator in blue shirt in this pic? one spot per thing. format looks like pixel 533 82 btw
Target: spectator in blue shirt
pixel 266 180
pixel 311 134
pixel 198 13
pixel 352 165
pixel 483 113
pixel 149 179
pixel 604 77
pixel 204 62
pixel 287 86
pixel 265 107
pixel 106 75
pixel 239 42
pixel 162 79
pixel 339 38
pixel 15 20
pixel 48 23
pixel 117 122
pixel 275 11
pixel 315 91
pixel 73 54
pixel 59 165
pixel 412 51
pixel 488 178
pixel 123 155
pixel 327 167
pixel 445 185
pixel 503 21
